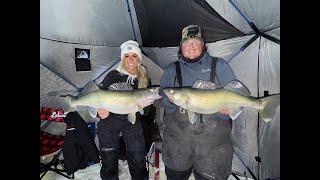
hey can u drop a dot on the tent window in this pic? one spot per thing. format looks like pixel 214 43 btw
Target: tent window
pixel 82 59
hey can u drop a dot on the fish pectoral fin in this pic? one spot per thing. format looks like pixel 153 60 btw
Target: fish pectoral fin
pixel 140 109
pixel 235 112
pixel 237 87
pixel 132 118
pixel 93 112
pixel 192 116
pixel 201 84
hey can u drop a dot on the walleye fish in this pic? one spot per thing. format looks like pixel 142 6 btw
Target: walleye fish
pixel 205 97
pixel 120 98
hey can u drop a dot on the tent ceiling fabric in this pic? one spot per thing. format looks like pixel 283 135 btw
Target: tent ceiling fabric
pixel 264 14
pixel 226 49
pixel 84 22
pixel 161 22
pixel 135 22
pixel 274 33
pixel 223 49
pixel 229 13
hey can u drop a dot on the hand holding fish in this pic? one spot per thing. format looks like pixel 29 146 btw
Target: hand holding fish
pixel 225 111
pixel 103 113
pixel 170 100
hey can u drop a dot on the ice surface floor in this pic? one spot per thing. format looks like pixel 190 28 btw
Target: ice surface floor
pixel 93 173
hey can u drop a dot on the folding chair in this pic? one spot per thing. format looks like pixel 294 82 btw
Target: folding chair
pixel 51 145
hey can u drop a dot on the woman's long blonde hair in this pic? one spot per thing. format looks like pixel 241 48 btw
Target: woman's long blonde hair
pixel 142 76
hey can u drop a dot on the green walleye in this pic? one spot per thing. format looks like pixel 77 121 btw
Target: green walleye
pixel 205 98
pixel 117 100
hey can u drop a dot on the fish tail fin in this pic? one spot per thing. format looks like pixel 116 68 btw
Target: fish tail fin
pixel 58 101
pixel 67 104
pixel 270 105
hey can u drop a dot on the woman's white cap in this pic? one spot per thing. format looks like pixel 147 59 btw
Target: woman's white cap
pixel 130 46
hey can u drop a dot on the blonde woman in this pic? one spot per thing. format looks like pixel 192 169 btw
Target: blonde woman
pixel 131 71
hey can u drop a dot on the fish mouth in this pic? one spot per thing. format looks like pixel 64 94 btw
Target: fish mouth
pixel 168 93
pixel 155 92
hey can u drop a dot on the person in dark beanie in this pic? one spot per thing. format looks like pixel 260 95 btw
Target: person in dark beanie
pixel 205 147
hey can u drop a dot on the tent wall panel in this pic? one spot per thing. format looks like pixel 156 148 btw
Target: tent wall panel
pixel 162 56
pixel 49 82
pixel 61 58
pixel 244 130
pixel 269 67
pixel 248 59
pixel 270 147
pixel 269 137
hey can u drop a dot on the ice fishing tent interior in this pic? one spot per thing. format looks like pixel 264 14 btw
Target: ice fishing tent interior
pixel 79 45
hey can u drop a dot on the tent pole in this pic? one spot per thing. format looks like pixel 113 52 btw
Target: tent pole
pixel 251 173
pixel 243 47
pixel 129 11
pixel 250 22
pixel 252 25
pixel 235 5
pixel 235 176
pixel 270 38
pixel 257 158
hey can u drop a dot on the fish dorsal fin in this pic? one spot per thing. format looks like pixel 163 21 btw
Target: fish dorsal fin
pixel 238 87
pixel 201 84
pixel 120 87
pixel 89 88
